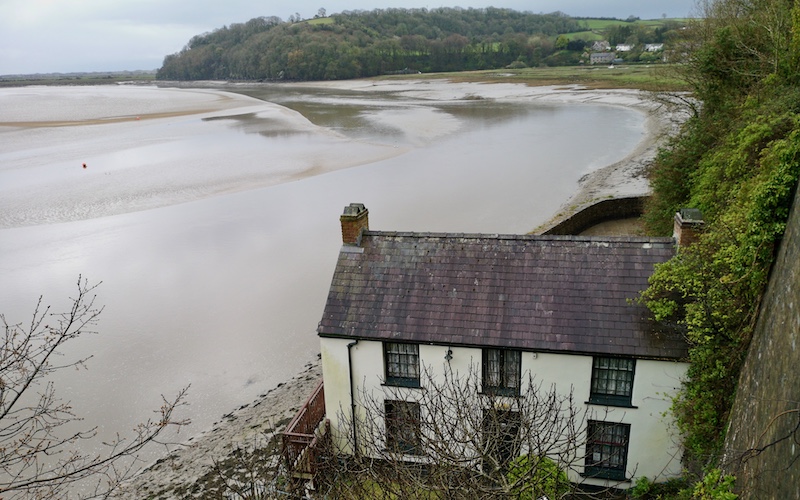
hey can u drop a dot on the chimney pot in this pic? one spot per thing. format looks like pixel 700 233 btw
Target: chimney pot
pixel 355 220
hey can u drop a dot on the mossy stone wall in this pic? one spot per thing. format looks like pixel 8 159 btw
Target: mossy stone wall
pixel 762 447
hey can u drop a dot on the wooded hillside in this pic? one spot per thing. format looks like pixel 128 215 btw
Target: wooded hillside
pixel 370 43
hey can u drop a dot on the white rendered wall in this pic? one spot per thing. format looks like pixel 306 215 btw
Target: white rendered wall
pixel 653 451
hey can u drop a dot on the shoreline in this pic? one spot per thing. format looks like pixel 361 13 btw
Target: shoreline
pixel 625 178
pixel 189 469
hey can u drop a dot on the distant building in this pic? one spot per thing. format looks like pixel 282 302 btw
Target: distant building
pixel 624 47
pixel 601 57
pixel 653 47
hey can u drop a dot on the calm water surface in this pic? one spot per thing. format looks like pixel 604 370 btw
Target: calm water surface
pixel 215 235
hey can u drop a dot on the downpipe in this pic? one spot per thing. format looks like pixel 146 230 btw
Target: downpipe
pixel 352 395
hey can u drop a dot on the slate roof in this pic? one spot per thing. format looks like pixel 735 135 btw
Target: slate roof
pixel 541 293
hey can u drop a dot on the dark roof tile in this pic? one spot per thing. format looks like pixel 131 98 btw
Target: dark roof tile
pixel 547 293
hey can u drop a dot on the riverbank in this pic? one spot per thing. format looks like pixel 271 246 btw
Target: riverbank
pixel 189 470
pixel 243 441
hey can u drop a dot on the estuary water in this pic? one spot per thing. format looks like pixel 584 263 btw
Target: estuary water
pixel 211 215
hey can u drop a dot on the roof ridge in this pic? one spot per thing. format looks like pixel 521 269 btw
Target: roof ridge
pixel 531 237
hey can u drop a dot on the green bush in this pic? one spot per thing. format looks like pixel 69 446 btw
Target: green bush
pixel 714 486
pixel 644 489
pixel 537 477
pixel 711 291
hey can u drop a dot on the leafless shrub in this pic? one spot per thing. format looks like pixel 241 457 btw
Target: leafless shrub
pixel 450 440
pixel 40 456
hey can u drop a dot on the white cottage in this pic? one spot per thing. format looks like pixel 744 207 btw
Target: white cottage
pixel 407 307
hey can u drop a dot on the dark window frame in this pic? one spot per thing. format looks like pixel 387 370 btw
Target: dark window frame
pixel 401 364
pixel 403 426
pixel 506 378
pixel 500 438
pixel 607 446
pixel 612 381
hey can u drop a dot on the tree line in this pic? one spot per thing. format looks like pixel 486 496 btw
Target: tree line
pixel 356 44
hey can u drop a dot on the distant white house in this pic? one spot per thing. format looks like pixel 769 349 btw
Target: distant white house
pixel 653 47
pixel 556 308
pixel 624 48
pixel 601 46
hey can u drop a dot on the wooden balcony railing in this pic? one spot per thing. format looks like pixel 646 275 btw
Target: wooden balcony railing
pixel 301 439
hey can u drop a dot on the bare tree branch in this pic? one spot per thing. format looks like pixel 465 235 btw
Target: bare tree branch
pixel 452 440
pixel 39 452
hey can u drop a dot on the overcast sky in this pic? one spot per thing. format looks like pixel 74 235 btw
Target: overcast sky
pixel 44 36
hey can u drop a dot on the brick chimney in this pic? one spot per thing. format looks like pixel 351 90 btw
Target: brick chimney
pixel 688 225
pixel 355 220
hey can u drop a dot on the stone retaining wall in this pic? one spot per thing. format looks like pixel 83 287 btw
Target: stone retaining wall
pixel 762 446
pixel 610 209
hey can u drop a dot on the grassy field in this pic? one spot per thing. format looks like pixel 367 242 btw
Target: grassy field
pixel 584 35
pixel 601 24
pixel 659 77
pixel 77 79
pixel 596 27
pixel 321 20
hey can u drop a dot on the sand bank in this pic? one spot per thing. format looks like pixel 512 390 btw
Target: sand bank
pixel 52 107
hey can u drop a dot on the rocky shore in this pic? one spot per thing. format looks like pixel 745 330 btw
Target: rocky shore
pixel 242 445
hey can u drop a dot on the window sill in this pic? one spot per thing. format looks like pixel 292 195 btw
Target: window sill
pixel 606 476
pixel 407 385
pixel 500 394
pixel 417 455
pixel 610 403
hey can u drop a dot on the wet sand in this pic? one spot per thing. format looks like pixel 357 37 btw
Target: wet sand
pixel 217 100
pixel 624 178
pixel 102 121
pixel 148 147
pixel 50 106
pixel 252 426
